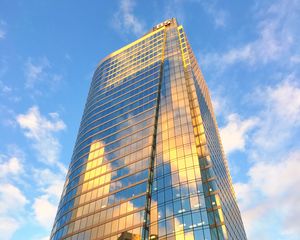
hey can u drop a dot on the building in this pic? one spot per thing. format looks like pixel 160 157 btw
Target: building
pixel 148 161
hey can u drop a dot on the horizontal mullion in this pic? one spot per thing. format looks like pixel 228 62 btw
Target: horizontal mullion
pixel 82 151
pixel 101 98
pixel 86 153
pixel 154 100
pixel 99 88
pixel 115 125
pixel 120 138
pixel 134 96
pixel 89 121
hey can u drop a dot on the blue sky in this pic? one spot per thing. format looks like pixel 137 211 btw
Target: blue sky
pixel 249 53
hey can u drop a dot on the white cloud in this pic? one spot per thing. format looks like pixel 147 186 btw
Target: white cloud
pixel 220 103
pixel 45 206
pixel 176 8
pixel 44 188
pixel 11 167
pixel 284 99
pixel 272 191
pixel 172 8
pixel 270 196
pixel 12 207
pixel 7 116
pixel 217 105
pixel 234 134
pixel 15 207
pixel 39 74
pixel 8 92
pixel 8 226
pixel 13 201
pixel 35 71
pixel 126 21
pixel 234 55
pixel 272 126
pixel 44 238
pixel 11 198
pixel 265 176
pixel 218 15
pixel 281 116
pixel 44 211
pixel 51 183
pixel 6 89
pixel 41 130
pixel 276 34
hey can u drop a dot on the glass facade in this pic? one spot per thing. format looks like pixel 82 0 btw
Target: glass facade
pixel 148 161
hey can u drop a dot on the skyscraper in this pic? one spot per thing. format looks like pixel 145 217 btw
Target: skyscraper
pixel 148 161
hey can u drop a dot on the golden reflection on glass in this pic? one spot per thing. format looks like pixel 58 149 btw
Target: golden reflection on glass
pixel 129 236
pixel 102 209
pixel 178 148
pixel 189 236
pixel 179 234
pixel 154 218
pixel 94 168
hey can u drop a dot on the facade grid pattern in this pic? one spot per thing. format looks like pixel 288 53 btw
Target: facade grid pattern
pixel 148 161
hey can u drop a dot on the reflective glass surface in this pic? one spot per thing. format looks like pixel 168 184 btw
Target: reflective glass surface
pixel 148 161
